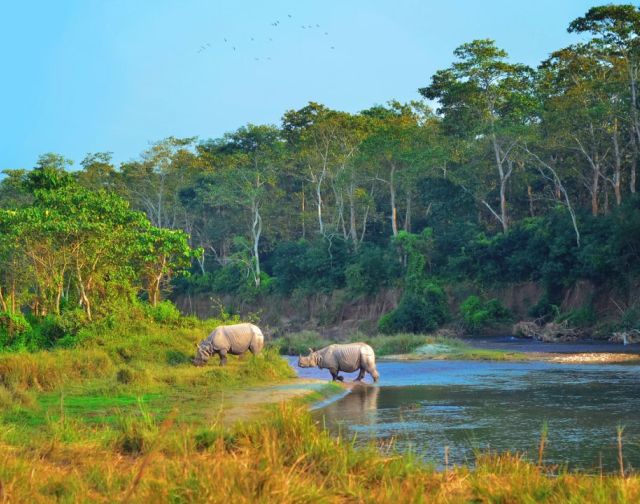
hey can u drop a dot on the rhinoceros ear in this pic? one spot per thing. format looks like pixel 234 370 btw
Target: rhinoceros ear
pixel 311 350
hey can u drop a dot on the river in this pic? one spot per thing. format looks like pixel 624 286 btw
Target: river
pixel 425 406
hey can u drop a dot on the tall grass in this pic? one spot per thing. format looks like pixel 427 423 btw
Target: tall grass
pixel 283 458
pixel 422 346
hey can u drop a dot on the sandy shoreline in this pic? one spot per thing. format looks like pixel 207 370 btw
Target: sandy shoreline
pixel 561 358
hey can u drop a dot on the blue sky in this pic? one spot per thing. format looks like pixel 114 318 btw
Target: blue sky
pixel 113 75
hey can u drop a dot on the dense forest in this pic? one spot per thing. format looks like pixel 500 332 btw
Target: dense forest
pixel 499 173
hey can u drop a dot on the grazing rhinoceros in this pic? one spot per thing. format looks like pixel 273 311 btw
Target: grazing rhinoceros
pixel 347 358
pixel 230 339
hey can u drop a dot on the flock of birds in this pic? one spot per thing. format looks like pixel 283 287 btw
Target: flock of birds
pixel 274 24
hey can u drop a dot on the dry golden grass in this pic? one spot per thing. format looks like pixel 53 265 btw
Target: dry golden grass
pixel 284 458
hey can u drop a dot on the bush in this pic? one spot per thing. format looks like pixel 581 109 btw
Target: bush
pixel 165 312
pixel 396 344
pixel 299 343
pixel 417 313
pixel 477 314
pixel 13 326
pixel 373 269
pixel 581 317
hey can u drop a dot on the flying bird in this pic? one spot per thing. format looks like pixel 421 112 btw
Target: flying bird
pixel 332 47
pixel 289 15
pixel 326 33
pixel 225 40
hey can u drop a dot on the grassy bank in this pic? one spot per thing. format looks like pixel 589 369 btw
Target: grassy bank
pixel 405 346
pixel 283 458
pixel 112 371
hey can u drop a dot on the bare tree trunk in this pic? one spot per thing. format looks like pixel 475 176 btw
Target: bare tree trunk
pixel 501 157
pixel 392 195
pixel 632 175
pixel 617 175
pixel 407 214
pixel 3 303
pixel 304 231
pixel 636 125
pixel 256 231
pixel 503 205
pixel 595 191
pixel 559 186
pixel 353 232
pixel 530 197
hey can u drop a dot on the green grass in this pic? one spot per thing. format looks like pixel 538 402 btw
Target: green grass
pixel 283 457
pixel 409 346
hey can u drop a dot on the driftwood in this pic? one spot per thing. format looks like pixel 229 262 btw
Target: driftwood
pixel 626 337
pixel 551 333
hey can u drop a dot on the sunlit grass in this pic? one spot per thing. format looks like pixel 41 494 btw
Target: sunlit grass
pixel 283 457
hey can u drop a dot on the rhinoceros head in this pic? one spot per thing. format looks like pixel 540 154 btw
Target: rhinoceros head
pixel 202 355
pixel 309 360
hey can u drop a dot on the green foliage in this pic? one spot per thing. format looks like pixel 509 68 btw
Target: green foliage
pixel 417 313
pixel 396 343
pixel 165 312
pixel 373 269
pixel 477 314
pixel 12 327
pixel 580 317
pixel 309 266
pixel 423 306
pixel 300 342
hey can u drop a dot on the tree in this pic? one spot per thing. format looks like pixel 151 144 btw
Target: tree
pixel 247 161
pixel 97 172
pixel 581 112
pixel 489 103
pixel 617 29
pixel 154 183
pixel 404 144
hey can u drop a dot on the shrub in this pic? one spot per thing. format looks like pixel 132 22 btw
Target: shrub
pixel 299 343
pixel 396 344
pixel 581 317
pixel 13 326
pixel 417 312
pixel 373 269
pixel 165 312
pixel 477 314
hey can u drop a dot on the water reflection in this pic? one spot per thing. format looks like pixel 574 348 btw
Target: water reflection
pixel 361 406
pixel 498 406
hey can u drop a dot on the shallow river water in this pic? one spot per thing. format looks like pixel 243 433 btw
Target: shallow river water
pixel 425 406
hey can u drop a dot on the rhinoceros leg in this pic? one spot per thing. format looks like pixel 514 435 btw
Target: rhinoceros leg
pixel 223 357
pixel 360 375
pixel 334 374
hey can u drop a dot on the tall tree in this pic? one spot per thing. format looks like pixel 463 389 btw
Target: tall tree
pixel 489 103
pixel 617 28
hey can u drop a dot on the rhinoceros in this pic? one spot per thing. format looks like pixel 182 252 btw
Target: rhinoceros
pixel 230 339
pixel 348 358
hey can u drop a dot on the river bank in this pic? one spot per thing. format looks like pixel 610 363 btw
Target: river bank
pixel 509 348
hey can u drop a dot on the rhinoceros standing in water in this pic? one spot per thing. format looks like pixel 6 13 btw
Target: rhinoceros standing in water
pixel 230 339
pixel 347 358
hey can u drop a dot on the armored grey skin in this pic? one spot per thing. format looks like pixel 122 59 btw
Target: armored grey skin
pixel 230 339
pixel 347 358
